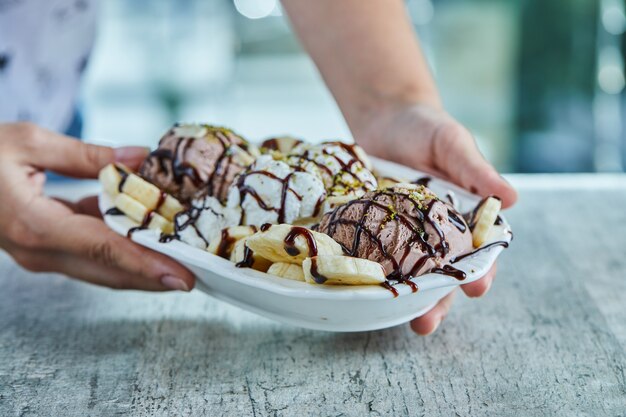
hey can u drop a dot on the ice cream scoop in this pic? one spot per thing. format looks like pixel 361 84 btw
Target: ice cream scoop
pixel 271 191
pixel 194 161
pixel 203 222
pixel 407 229
pixel 344 168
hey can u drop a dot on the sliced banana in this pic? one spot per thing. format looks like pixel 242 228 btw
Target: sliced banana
pixel 247 258
pixel 110 177
pixel 240 156
pixel 335 201
pixel 224 243
pixel 388 182
pixel 342 270
pixel 363 157
pixel 285 270
pixel 484 219
pixel 283 144
pixel 291 244
pixel 142 215
pixel 151 196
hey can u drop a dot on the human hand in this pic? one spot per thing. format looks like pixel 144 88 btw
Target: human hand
pixel 428 139
pixel 47 234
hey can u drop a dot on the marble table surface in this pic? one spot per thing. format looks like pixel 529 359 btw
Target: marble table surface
pixel 549 338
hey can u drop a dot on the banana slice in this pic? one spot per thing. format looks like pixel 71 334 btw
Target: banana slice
pixel 244 257
pixel 388 182
pixel 142 215
pixel 484 219
pixel 335 201
pixel 240 156
pixel 291 244
pixel 285 270
pixel 283 144
pixel 362 156
pixel 110 177
pixel 223 245
pixel 151 196
pixel 342 270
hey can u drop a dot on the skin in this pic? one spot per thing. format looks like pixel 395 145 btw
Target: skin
pixel 370 59
pixel 46 234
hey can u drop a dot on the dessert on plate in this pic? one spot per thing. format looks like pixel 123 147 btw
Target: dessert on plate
pixel 315 213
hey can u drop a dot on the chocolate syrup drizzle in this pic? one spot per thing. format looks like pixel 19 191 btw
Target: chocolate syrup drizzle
pixel 346 167
pixel 475 251
pixel 114 211
pixel 290 241
pixel 173 162
pixel 245 190
pixel 416 225
pixel 425 181
pixel 149 215
pixel 317 277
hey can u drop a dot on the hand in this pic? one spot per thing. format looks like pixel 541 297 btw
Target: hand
pixel 46 234
pixel 428 139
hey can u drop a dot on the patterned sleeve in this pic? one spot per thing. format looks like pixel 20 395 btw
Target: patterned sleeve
pixel 44 48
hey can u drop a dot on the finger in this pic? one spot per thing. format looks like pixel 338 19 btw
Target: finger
pixel 456 153
pixel 89 206
pixel 67 156
pixel 429 322
pixel 88 238
pixel 480 287
pixel 85 270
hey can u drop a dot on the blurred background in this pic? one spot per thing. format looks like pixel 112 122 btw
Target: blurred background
pixel 539 82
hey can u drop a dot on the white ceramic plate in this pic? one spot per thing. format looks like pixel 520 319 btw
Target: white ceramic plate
pixel 331 308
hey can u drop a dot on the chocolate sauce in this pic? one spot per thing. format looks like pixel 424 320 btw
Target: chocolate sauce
pixel 265 227
pixel 415 224
pixel 317 277
pixel 498 221
pixel 246 190
pixel 290 241
pixel 124 176
pixel 457 221
pixel 425 181
pixel 248 258
pixel 346 168
pixel 471 216
pixel 410 284
pixel 450 270
pixel 475 251
pixel 225 243
pixel 386 285
pixel 114 211
pixel 165 238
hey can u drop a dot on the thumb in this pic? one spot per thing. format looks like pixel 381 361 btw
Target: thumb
pixel 67 156
pixel 458 156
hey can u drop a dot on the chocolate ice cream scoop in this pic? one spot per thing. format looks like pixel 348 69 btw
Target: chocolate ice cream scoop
pixel 407 229
pixel 195 161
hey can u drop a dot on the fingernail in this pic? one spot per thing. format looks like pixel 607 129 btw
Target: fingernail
pixel 174 283
pixel 130 153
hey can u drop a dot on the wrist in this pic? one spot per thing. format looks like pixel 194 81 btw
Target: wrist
pixel 376 112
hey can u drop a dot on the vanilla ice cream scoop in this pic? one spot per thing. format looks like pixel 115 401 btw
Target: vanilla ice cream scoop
pixel 344 168
pixel 271 191
pixel 203 221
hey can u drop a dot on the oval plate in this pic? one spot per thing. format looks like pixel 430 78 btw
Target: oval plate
pixel 330 308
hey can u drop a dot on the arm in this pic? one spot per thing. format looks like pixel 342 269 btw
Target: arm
pixel 367 53
pixel 370 59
